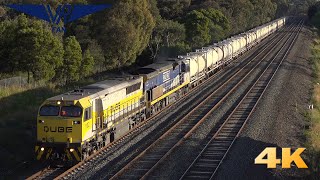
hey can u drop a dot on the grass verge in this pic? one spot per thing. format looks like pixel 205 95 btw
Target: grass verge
pixel 18 110
pixel 313 133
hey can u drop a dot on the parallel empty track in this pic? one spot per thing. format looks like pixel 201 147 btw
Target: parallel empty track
pixel 148 160
pixel 47 173
pixel 206 164
pixel 215 81
pixel 82 166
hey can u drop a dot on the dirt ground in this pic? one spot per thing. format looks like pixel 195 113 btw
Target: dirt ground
pixel 278 120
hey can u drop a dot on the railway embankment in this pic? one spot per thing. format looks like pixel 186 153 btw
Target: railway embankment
pixel 279 119
pixel 313 132
pixel 18 111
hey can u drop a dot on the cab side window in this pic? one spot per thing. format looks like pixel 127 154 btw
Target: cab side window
pixel 88 113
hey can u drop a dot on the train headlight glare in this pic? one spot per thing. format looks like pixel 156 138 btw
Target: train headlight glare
pixel 76 122
pixel 42 149
pixel 71 150
pixel 58 102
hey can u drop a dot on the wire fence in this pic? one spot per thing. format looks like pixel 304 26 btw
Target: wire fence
pixel 13 82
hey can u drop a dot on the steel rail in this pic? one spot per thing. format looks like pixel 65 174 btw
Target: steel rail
pixel 47 173
pixel 81 165
pixel 230 130
pixel 132 131
pixel 136 129
pixel 189 114
pixel 198 124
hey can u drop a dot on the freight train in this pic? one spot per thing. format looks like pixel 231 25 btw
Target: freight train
pixel 73 125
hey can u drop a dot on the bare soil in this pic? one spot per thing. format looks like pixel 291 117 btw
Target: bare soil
pixel 278 120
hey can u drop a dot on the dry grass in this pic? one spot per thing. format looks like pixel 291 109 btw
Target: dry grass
pixel 18 109
pixel 313 134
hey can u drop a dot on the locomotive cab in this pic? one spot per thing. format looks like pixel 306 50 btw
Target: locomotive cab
pixel 72 126
pixel 59 129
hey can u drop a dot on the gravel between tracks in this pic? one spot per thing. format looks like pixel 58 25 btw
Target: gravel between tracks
pixel 106 167
pixel 178 161
pixel 278 120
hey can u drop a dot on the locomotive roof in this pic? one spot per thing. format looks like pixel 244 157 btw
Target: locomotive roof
pixel 100 88
pixel 155 68
pixel 160 66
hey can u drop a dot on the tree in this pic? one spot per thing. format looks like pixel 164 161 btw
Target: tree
pixel 313 9
pixel 124 31
pixel 314 14
pixel 98 55
pixel 7 43
pixel 87 64
pixel 167 33
pixel 282 7
pixel 219 24
pixel 197 29
pixel 316 20
pixel 34 49
pixel 173 9
pixel 263 12
pixel 2 12
pixel 72 59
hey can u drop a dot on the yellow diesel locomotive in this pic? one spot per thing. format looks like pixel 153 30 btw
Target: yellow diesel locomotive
pixel 71 126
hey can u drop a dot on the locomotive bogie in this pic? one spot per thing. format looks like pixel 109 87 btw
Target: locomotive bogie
pixel 72 126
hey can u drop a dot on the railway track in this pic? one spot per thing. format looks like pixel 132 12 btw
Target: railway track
pixel 142 166
pixel 101 154
pixel 47 173
pixel 206 164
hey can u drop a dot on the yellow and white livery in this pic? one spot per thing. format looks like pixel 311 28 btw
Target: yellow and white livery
pixel 72 125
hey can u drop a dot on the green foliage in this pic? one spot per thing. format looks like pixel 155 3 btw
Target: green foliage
pixel 154 9
pixel 312 134
pixel 299 7
pixel 197 28
pixel 7 39
pixel 116 37
pixel 314 14
pixel 87 64
pixel 316 20
pixel 240 13
pixel 263 11
pixel 72 59
pixel 219 24
pixel 33 48
pixel 2 12
pixel 206 25
pixel 124 31
pixel 282 7
pixel 167 33
pixel 177 49
pixel 173 8
pixel 97 54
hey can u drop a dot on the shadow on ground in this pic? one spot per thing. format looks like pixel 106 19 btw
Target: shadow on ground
pixel 18 114
pixel 239 164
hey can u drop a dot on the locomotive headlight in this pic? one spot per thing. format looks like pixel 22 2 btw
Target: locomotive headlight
pixel 41 121
pixel 58 102
pixel 42 149
pixel 71 150
pixel 76 122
